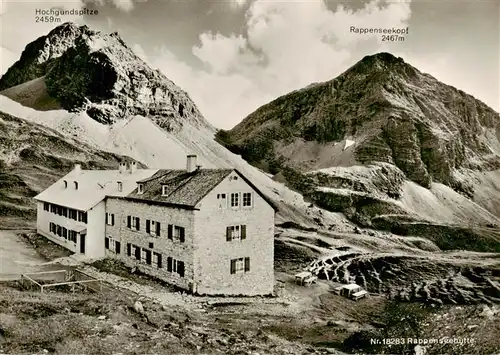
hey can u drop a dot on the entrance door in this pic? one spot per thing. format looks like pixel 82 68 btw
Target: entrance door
pixel 82 243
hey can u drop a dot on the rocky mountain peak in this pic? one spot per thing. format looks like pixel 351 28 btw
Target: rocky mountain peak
pixel 382 67
pixel 392 112
pixel 87 70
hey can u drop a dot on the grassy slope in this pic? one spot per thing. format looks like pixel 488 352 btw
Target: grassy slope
pixel 307 320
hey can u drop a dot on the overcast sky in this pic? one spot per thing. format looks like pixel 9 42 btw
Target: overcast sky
pixel 233 56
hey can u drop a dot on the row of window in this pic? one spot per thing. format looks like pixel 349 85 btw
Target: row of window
pixel 234 200
pixel 153 228
pixel 240 265
pixel 66 212
pixel 62 232
pixel 150 257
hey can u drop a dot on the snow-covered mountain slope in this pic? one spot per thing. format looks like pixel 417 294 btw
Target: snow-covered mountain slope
pixel 384 182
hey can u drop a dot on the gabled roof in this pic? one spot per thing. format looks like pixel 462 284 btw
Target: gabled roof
pixel 93 187
pixel 184 189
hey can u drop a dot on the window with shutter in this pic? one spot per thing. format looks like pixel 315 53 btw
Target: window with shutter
pixel 228 234
pixel 138 223
pixel 157 229
pixel 148 226
pixel 117 245
pixel 247 264
pixel 148 257
pixel 170 231
pixel 181 234
pixel 129 249
pixel 233 266
pixel 129 221
pixel 113 219
pixel 106 242
pixel 159 262
pixel 243 231
pixel 169 263
pixel 138 253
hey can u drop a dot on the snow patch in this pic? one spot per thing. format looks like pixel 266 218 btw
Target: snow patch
pixel 442 204
pixel 348 143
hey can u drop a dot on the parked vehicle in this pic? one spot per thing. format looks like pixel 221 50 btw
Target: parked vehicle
pixel 305 278
pixel 352 291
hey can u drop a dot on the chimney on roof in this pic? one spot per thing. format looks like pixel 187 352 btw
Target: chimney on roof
pixel 77 169
pixel 123 167
pixel 133 167
pixel 191 163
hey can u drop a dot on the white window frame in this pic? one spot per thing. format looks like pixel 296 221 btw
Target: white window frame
pixel 112 245
pixel 109 218
pixel 163 190
pixel 152 228
pixel 134 223
pixel 154 259
pixel 239 267
pixel 243 200
pixel 235 232
pixel 120 186
pixel 140 189
pixel 237 199
pixel 143 255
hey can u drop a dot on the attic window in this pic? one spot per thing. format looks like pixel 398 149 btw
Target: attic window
pixel 65 184
pixel 120 186
pixel 140 188
pixel 76 185
pixel 164 190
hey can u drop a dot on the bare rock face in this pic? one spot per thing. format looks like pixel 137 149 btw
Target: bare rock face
pixel 38 56
pixel 393 112
pixel 98 73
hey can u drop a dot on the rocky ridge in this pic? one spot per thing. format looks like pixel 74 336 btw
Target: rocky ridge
pixel 86 70
pixel 394 114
